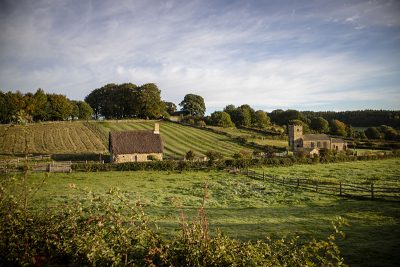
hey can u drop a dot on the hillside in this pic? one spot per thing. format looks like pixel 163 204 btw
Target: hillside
pixel 92 137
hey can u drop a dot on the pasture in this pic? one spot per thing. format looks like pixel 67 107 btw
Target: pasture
pixel 250 209
pixel 92 138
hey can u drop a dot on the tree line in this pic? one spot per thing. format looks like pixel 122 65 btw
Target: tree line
pixel 16 107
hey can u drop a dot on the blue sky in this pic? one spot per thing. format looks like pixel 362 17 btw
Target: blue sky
pixel 307 55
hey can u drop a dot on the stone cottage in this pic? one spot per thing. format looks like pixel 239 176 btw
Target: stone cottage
pixel 136 146
pixel 312 143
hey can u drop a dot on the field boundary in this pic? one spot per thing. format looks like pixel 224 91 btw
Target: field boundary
pixel 364 191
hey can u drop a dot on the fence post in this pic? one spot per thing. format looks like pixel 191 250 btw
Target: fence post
pixel 283 181
pixel 340 189
pixel 298 182
pixel 316 186
pixel 263 176
pixel 273 179
pixel 372 191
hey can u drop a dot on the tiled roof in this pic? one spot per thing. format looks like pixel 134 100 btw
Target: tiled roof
pixel 316 137
pixel 130 142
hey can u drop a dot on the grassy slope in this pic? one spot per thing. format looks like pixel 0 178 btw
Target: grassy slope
pixel 179 139
pixel 92 137
pixel 45 138
pixel 250 210
pixel 253 136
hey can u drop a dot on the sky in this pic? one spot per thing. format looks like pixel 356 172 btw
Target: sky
pixel 305 55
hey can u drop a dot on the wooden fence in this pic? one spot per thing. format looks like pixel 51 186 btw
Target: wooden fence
pixel 371 190
pixel 54 166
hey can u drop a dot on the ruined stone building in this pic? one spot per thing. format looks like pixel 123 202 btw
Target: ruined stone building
pixel 312 143
pixel 136 146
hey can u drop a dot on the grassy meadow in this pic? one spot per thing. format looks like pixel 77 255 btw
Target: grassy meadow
pixel 92 137
pixel 248 209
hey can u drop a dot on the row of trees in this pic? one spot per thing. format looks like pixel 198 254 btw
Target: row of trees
pixel 22 108
pixel 359 118
pixel 336 127
pixel 242 116
pixel 127 100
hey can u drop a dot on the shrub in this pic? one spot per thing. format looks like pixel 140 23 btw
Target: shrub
pixel 105 230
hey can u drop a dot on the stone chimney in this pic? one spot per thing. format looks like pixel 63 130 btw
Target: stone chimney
pixel 156 128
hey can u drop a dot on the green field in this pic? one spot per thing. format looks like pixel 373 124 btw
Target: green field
pixel 253 136
pixel 250 210
pixel 92 137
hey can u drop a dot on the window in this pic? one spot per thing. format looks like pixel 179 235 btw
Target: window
pixel 312 144
pixel 318 144
pixel 150 157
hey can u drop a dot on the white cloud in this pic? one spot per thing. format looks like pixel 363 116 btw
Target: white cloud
pixel 233 54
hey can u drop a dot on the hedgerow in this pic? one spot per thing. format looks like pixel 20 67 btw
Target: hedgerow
pixel 106 230
pixel 173 165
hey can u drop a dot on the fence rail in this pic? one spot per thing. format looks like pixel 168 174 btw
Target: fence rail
pixel 370 190
pixel 54 166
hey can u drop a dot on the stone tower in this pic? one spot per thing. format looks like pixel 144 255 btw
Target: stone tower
pixel 295 133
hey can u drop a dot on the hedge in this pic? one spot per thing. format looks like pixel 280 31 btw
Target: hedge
pixel 171 165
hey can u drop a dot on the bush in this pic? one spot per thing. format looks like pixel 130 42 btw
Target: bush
pixel 104 230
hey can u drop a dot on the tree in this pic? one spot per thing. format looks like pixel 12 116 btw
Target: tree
pixel 74 110
pixel 149 100
pixel 194 105
pixel 85 111
pixel 170 107
pixel 114 101
pixel 261 119
pixel 40 111
pixel 222 119
pixel 338 128
pixel 243 116
pixel 319 124
pixel 59 107
pixel 282 117
pixel 372 133
pixel 306 129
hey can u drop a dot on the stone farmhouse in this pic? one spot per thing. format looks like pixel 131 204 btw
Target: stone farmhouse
pixel 313 143
pixel 136 146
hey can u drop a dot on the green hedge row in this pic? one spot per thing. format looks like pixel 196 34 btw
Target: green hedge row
pixel 170 165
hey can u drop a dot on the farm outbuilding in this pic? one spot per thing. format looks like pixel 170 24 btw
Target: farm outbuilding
pixel 136 146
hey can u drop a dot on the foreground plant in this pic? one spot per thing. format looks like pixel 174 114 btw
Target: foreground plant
pixel 108 230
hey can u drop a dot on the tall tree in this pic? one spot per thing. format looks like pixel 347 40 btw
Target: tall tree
pixel 372 133
pixel 194 105
pixel 261 119
pixel 338 128
pixel 59 107
pixel 222 119
pixel 85 111
pixel 40 111
pixel 319 124
pixel 149 99
pixel 170 107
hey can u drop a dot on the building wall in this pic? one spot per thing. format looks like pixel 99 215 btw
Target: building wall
pixel 317 144
pixel 136 157
pixel 339 146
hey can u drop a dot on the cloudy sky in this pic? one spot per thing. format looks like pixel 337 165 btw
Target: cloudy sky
pixel 308 55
